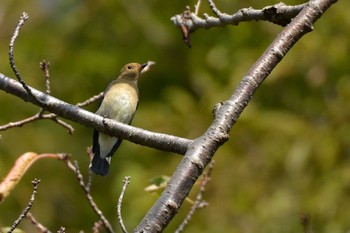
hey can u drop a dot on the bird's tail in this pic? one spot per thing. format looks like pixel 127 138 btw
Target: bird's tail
pixel 100 166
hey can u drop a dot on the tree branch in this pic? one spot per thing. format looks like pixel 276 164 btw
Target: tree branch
pixel 113 128
pixel 38 225
pixel 50 116
pixel 38 116
pixel 199 202
pixel 75 169
pixel 280 14
pixel 44 66
pixel 203 148
pixel 24 17
pixel 35 183
pixel 126 182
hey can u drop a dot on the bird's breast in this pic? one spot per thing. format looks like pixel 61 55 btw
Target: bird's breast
pixel 120 102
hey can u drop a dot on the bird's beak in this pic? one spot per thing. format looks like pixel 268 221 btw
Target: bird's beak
pixel 146 66
pixel 143 66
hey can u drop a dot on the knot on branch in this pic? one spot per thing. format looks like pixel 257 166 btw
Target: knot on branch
pixel 273 15
pixel 185 19
pixel 280 13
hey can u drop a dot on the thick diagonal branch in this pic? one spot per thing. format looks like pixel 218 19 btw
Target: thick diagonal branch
pixel 202 149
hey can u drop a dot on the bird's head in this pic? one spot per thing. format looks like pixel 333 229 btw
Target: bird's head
pixel 132 71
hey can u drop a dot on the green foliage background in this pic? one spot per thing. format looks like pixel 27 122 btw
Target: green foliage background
pixel 288 154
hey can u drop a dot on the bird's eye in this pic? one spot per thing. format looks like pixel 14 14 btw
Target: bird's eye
pixel 129 67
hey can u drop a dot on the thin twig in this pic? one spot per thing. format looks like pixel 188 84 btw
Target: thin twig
pixel 18 123
pixel 75 169
pixel 24 17
pixel 199 203
pixel 44 66
pixel 196 7
pixel 38 225
pixel 62 123
pixel 90 199
pixel 35 183
pixel 89 180
pixel 126 181
pixel 21 21
pixel 90 100
pixel 215 10
pixel 90 173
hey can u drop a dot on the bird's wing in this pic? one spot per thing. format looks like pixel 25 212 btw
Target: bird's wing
pixel 95 145
pixel 115 147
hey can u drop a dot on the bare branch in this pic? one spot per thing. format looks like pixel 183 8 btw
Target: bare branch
pixel 90 173
pixel 110 127
pixel 38 225
pixel 19 123
pixel 50 116
pixel 44 66
pixel 216 11
pixel 199 203
pixel 90 100
pixel 280 14
pixel 62 123
pixel 75 169
pixel 88 183
pixel 126 182
pixel 203 148
pixel 196 7
pixel 21 21
pixel 24 17
pixel 35 183
pixel 38 116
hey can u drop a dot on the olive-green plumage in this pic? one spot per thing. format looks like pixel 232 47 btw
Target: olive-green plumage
pixel 119 102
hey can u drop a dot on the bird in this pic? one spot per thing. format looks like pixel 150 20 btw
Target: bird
pixel 119 102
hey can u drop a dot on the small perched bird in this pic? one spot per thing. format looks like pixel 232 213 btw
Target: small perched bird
pixel 119 102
